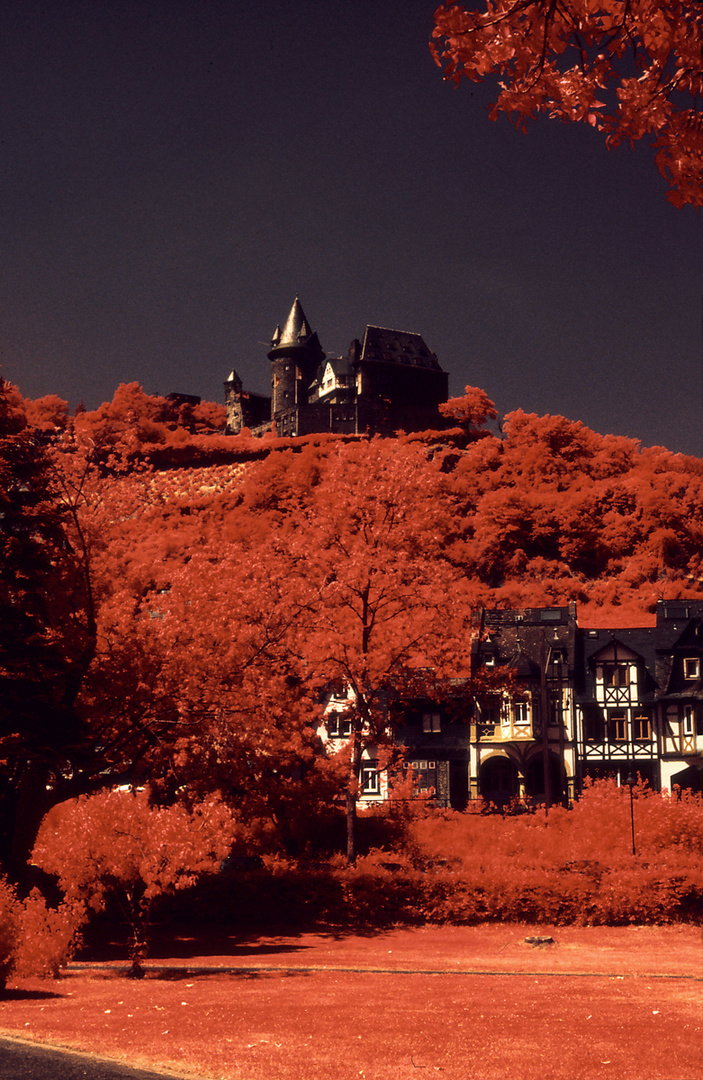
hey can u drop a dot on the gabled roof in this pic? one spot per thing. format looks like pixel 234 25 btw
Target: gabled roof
pixel 341 371
pixel 522 640
pixel 653 644
pixel 523 666
pixel 397 347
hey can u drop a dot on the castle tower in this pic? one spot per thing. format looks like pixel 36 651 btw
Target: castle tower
pixel 233 404
pixel 295 356
pixel 244 409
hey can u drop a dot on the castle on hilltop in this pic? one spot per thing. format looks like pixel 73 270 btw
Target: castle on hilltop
pixel 388 382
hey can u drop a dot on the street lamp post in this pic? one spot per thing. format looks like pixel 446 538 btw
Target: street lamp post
pixel 631 783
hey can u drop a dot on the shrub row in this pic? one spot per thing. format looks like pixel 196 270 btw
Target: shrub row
pixel 570 866
pixel 376 893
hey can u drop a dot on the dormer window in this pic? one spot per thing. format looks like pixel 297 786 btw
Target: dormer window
pixel 616 675
pixel 691 667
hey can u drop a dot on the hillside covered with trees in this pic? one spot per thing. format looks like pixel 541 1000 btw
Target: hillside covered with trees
pixel 175 602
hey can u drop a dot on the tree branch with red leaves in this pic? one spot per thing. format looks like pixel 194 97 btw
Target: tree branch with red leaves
pixel 632 69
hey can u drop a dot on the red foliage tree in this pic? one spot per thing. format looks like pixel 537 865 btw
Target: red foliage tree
pixel 381 611
pixel 224 597
pixel 47 634
pixel 49 413
pixel 34 938
pixel 632 70
pixel 117 844
pixel 470 411
pixel 135 423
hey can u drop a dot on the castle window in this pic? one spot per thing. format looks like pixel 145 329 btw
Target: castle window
pixel 688 726
pixel 691 667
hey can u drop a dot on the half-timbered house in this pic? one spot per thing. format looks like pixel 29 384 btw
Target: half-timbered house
pixel 563 705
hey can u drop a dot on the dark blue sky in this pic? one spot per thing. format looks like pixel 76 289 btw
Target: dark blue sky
pixel 174 173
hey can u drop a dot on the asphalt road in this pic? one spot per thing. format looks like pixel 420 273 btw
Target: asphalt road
pixel 22 1061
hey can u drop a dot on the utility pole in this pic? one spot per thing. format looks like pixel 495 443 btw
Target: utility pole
pixel 544 709
pixel 561 714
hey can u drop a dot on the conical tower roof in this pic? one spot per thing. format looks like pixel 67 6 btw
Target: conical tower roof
pixel 296 329
pixel 296 334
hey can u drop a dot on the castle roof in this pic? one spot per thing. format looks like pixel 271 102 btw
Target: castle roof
pixel 397 347
pixel 296 329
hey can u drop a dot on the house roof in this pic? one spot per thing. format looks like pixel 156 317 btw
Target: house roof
pixel 524 639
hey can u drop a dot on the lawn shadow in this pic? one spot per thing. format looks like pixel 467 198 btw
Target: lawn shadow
pixel 106 943
pixel 12 994
pixel 181 946
pixel 106 940
pixel 169 974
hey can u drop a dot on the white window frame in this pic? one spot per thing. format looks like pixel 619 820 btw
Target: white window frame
pixel 336 724
pixel 691 667
pixel 370 780
pixel 521 713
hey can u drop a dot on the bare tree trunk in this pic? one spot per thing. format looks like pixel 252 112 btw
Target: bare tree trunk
pixel 139 911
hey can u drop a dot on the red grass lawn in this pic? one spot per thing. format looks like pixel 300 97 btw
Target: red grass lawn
pixel 463 1002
